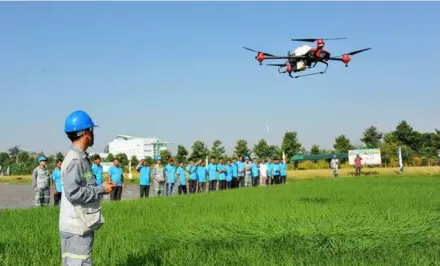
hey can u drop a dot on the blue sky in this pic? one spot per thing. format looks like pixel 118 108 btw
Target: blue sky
pixel 177 70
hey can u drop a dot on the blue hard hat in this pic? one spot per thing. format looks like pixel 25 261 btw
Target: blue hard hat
pixel 246 157
pixel 334 155
pixel 157 158
pixel 77 121
pixel 41 158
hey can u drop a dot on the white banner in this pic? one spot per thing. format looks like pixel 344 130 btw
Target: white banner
pixel 368 156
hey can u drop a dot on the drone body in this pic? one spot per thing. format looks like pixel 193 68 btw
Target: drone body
pixel 304 57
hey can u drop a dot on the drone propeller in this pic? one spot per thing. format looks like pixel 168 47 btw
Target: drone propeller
pixel 314 40
pixel 354 52
pixel 252 50
pixel 278 65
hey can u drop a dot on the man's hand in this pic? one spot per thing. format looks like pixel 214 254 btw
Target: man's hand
pixel 108 187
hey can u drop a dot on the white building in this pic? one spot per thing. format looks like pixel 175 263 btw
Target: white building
pixel 139 147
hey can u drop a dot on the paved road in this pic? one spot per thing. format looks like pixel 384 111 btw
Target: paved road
pixel 22 196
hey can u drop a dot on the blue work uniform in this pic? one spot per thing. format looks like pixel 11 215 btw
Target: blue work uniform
pixel 222 175
pixel 276 169
pixel 201 174
pixel 254 170
pixel 115 174
pixel 192 172
pixel 240 167
pixel 229 173
pixel 269 169
pixel 97 171
pixel 145 173
pixel 283 169
pixel 234 170
pixel 212 171
pixel 170 170
pixel 181 175
pixel 56 177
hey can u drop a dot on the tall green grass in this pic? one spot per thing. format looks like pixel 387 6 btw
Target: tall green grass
pixel 350 221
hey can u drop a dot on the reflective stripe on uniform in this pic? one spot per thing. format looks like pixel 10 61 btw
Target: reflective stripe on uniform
pixel 75 256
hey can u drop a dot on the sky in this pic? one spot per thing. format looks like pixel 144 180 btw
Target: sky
pixel 177 71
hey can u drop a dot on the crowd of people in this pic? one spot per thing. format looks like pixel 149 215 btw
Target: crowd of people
pixel 196 176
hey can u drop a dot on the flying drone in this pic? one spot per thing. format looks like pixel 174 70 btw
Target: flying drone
pixel 305 57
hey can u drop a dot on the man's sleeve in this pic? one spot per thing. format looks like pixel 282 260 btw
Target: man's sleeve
pixel 34 178
pixel 76 193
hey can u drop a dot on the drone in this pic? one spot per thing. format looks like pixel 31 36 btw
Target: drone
pixel 305 57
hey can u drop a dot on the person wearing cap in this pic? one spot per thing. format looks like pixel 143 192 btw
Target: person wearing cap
pixel 247 172
pixel 334 164
pixel 41 182
pixel 358 165
pixel 181 178
pixel 201 176
pixel 234 166
pixel 144 178
pixel 170 172
pixel 255 173
pixel 191 168
pixel 221 170
pixel 116 175
pixel 56 183
pixel 97 169
pixel 159 177
pixel 80 211
pixel 241 172
pixel 212 173
pixel 283 172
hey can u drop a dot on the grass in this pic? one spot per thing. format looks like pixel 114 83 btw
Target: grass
pixel 291 174
pixel 349 221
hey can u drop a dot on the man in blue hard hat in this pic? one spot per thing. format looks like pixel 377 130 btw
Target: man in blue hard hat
pixel 80 212
pixel 334 164
pixel 41 182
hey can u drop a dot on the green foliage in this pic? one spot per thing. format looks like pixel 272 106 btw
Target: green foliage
pixel 123 160
pixel 134 161
pixel 149 160
pixel 199 151
pixel 109 158
pixel 290 145
pixel 342 144
pixel 372 137
pixel 350 221
pixel 241 148
pixel 164 155
pixel 182 154
pixel 262 149
pixel 217 149
pixel 315 149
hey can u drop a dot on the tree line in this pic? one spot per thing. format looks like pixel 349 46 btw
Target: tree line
pixel 418 149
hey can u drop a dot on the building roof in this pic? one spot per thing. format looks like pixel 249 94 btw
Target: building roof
pixel 150 140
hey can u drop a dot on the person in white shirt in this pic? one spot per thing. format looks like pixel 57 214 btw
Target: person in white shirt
pixel 334 164
pixel 263 172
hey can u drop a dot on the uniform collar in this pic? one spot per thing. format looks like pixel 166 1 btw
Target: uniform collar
pixel 81 152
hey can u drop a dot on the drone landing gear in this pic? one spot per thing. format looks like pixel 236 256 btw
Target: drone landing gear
pixel 316 73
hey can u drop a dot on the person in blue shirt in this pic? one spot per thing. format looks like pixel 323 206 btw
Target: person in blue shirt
pixel 212 173
pixel 115 175
pixel 241 172
pixel 201 176
pixel 144 178
pixel 229 174
pixel 97 170
pixel 181 178
pixel 191 168
pixel 255 173
pixel 276 171
pixel 170 171
pixel 283 172
pixel 269 164
pixel 234 166
pixel 221 169
pixel 56 183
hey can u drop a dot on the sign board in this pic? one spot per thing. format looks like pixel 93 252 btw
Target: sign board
pixel 369 156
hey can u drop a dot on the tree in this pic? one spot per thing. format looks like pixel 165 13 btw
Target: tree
pixel 4 159
pixel 217 149
pixel 241 148
pixel 134 161
pixel 199 151
pixel 109 158
pixel 182 153
pixel 404 133
pixel 372 137
pixel 276 152
pixel 290 145
pixel 164 155
pixel 59 155
pixel 342 144
pixel 315 149
pixel 262 149
pixel 149 160
pixel 23 157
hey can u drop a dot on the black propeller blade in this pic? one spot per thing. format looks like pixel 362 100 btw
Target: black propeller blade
pixel 314 40
pixel 278 65
pixel 355 52
pixel 249 49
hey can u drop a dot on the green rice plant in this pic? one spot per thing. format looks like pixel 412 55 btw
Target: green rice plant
pixel 347 221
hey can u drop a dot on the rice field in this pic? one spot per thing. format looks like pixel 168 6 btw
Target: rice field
pixel 348 221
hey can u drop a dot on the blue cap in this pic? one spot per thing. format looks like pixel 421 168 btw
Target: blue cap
pixel 77 121
pixel 246 158
pixel 41 158
pixel 334 155
pixel 157 158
